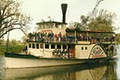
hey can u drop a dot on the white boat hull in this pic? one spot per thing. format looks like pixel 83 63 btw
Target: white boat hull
pixel 11 62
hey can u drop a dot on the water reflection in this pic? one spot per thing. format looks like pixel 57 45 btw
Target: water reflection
pixel 2 68
pixel 118 62
pixel 98 71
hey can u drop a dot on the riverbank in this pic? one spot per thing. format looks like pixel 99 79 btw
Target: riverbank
pixel 11 48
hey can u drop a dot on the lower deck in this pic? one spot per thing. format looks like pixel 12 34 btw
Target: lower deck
pixel 80 50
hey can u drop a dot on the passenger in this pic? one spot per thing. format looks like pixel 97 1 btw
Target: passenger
pixel 112 38
pixel 55 52
pixel 63 53
pixel 52 36
pixel 89 39
pixel 59 53
pixel 80 37
pixel 43 36
pixel 56 37
pixel 70 53
pixel 112 49
pixel 64 38
pixel 67 37
pixel 60 35
pixel 107 39
pixel 107 51
pixel 49 37
pixel 77 37
pixel 59 39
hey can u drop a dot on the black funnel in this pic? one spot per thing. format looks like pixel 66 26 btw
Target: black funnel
pixel 64 8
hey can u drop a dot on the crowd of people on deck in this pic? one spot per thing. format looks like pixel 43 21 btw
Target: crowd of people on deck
pixel 57 53
pixel 51 37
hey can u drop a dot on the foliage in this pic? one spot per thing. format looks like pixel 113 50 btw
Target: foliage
pixel 14 46
pixel 81 25
pixel 24 39
pixel 102 21
pixel 11 17
pixel 2 49
pixel 118 38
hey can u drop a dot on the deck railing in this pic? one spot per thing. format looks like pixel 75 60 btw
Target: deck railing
pixel 70 39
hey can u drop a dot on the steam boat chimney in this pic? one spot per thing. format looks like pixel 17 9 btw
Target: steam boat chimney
pixel 64 8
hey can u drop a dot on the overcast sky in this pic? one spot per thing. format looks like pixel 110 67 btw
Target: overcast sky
pixel 41 9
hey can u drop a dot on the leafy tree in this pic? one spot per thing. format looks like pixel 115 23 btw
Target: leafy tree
pixel 118 38
pixel 102 21
pixel 11 17
pixel 80 25
pixel 24 39
pixel 83 25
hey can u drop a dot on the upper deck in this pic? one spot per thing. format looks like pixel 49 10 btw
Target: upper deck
pixel 58 33
pixel 73 37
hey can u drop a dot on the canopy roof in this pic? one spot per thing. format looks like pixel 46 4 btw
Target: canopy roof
pixel 85 31
pixel 47 22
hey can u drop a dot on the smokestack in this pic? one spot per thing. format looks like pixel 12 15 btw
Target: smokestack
pixel 64 8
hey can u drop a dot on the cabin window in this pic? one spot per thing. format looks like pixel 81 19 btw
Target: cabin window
pixel 52 46
pixel 37 46
pixel 41 46
pixel 82 48
pixel 85 48
pixel 58 46
pixel 47 46
pixel 29 45
pixel 33 45
pixel 64 46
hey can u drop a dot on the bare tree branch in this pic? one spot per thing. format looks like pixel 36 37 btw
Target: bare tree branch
pixel 86 19
pixel 97 4
pixel 11 17
pixel 1 35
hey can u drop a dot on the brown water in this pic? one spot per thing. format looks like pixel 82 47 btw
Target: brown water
pixel 108 70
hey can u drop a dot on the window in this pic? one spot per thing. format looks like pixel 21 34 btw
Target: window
pixel 29 45
pixel 85 48
pixel 37 46
pixel 58 46
pixel 52 46
pixel 33 45
pixel 64 46
pixel 41 46
pixel 82 48
pixel 47 46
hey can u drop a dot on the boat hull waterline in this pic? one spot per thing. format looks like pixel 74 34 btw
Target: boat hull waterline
pixel 12 62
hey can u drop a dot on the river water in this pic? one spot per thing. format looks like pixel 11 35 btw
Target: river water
pixel 108 70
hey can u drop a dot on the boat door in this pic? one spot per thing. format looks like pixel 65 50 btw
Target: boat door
pixel 71 49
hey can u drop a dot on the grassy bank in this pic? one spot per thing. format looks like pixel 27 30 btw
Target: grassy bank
pixel 2 49
pixel 11 48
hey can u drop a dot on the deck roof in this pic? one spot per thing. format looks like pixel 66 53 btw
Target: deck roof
pixel 85 31
pixel 46 22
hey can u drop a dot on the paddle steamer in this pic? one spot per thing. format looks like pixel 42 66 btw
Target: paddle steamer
pixel 54 44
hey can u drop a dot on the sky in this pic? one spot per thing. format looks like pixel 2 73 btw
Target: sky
pixel 42 9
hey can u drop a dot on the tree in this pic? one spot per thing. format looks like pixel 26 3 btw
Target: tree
pixel 102 21
pixel 118 38
pixel 24 39
pixel 83 25
pixel 11 17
